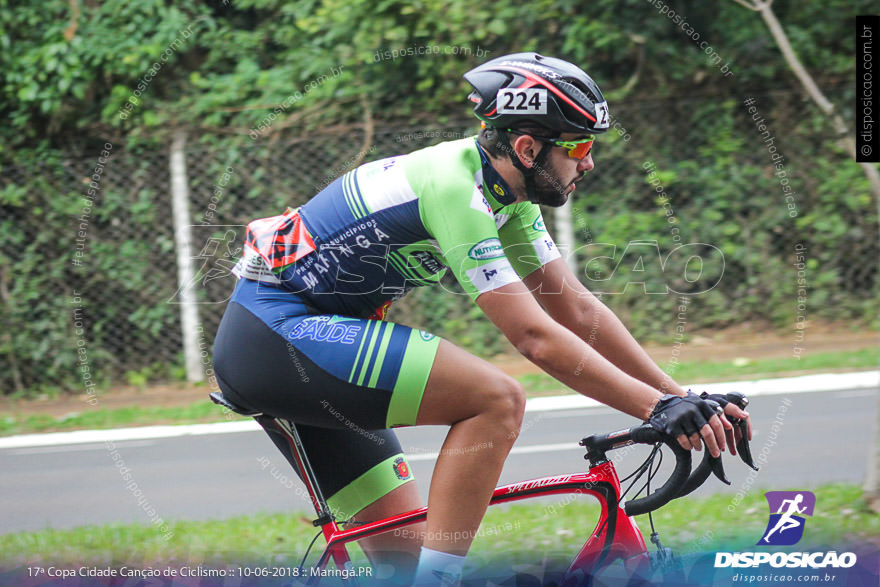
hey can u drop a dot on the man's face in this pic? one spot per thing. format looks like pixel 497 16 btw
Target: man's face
pixel 555 179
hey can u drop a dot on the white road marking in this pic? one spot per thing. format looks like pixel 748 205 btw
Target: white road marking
pixel 123 434
pixel 77 447
pixel 865 380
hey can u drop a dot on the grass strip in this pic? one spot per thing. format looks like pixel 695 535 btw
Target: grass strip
pixel 102 418
pixel 526 532
pixel 541 384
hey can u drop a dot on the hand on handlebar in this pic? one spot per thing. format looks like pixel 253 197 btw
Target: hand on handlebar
pixel 691 420
pixel 734 410
pixel 675 421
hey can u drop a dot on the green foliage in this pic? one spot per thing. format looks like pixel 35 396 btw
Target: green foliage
pixel 720 186
pixel 97 417
pixel 79 303
pixel 225 65
pixel 273 75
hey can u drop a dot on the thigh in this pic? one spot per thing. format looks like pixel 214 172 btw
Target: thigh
pixel 461 385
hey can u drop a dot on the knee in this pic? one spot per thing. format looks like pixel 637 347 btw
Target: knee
pixel 507 404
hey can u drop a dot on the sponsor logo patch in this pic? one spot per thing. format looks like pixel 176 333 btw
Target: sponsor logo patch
pixel 323 329
pixel 486 249
pixel 401 468
pixel 428 261
pixel 479 201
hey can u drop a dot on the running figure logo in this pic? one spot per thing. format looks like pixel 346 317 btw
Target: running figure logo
pixel 786 526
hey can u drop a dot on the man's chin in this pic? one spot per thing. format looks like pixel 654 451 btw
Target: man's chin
pixel 562 198
pixel 548 196
pixel 554 200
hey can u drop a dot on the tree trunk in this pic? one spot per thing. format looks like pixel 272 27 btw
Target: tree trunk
pixel 844 138
pixel 848 144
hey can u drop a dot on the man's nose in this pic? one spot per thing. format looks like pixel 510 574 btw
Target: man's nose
pixel 586 164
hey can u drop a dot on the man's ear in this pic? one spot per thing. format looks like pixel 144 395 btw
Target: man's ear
pixel 526 148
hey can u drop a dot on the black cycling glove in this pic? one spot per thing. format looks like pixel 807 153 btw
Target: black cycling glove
pixel 675 415
pixel 718 398
pixel 736 398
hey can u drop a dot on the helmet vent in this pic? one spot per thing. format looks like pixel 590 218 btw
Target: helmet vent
pixel 576 93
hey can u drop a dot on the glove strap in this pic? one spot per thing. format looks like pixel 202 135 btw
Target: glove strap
pixel 716 397
pixel 664 401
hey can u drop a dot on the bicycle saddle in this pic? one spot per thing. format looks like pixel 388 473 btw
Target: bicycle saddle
pixel 221 400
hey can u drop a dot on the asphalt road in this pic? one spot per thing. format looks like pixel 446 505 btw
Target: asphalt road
pixel 821 437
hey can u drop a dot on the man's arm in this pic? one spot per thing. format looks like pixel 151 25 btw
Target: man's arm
pixel 570 304
pixel 562 354
pixel 573 306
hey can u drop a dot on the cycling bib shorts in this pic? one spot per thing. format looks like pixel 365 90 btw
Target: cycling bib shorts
pixel 344 381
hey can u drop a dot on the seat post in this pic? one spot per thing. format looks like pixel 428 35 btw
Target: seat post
pixel 278 429
pixel 326 519
pixel 291 435
pixel 287 430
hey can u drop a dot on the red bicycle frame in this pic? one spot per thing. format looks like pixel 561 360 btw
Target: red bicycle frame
pixel 615 537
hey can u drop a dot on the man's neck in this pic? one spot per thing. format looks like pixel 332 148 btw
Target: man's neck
pixel 512 178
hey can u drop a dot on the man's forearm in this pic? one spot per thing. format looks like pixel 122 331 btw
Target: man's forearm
pixel 566 358
pixel 607 334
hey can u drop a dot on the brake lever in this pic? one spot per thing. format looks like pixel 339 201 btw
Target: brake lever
pixel 709 465
pixel 717 467
pixel 714 463
pixel 742 445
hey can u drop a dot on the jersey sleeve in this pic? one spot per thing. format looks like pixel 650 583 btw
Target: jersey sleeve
pixel 463 226
pixel 525 239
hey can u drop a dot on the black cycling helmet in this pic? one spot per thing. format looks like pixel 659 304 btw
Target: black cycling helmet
pixel 528 89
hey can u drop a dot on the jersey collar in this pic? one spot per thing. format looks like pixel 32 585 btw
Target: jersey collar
pixel 497 187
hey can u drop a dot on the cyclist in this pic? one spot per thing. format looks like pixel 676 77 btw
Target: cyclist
pixel 304 335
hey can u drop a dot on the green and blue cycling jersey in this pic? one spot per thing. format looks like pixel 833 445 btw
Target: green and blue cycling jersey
pixel 401 222
pixel 304 335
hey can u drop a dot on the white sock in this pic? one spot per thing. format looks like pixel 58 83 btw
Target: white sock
pixel 438 568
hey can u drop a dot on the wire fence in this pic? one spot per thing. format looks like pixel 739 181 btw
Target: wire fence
pixel 694 217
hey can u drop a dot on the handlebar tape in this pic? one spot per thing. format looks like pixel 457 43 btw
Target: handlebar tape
pixel 646 435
